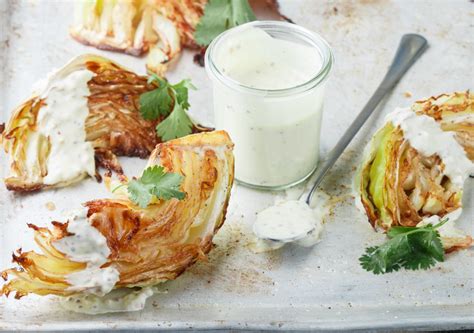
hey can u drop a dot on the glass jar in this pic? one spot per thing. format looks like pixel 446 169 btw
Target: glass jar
pixel 273 118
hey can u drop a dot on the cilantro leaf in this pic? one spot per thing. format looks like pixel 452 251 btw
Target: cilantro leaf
pixel 155 182
pixel 241 12
pixel 169 101
pixel 156 102
pixel 220 15
pixel 408 247
pixel 153 77
pixel 181 92
pixel 176 125
pixel 215 20
pixel 395 231
pixel 139 193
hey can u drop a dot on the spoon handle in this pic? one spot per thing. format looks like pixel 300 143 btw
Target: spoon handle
pixel 410 49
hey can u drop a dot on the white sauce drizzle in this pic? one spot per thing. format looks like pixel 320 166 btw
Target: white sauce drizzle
pixel 118 300
pixel 94 252
pixel 426 136
pixel 62 119
pixel 87 245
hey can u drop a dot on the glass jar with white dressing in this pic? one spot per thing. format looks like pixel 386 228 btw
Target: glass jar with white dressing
pixel 268 87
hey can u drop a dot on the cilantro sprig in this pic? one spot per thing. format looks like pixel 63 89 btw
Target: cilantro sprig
pixel 155 183
pixel 220 15
pixel 169 101
pixel 411 248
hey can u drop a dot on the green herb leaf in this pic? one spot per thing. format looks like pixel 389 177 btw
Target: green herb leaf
pixel 154 77
pixel 395 231
pixel 220 15
pixel 169 101
pixel 241 12
pixel 408 247
pixel 156 102
pixel 181 92
pixel 176 125
pixel 155 182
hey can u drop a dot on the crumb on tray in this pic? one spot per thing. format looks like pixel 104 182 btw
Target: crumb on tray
pixel 50 206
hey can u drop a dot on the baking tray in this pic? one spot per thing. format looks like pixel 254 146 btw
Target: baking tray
pixel 294 288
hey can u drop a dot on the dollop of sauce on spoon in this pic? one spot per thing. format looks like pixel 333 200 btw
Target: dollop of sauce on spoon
pixel 285 222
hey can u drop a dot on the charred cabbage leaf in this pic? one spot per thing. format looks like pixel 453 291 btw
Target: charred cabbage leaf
pixel 399 186
pixel 455 113
pixel 114 125
pixel 160 27
pixel 147 245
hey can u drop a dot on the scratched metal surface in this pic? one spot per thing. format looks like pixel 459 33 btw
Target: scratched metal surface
pixel 320 288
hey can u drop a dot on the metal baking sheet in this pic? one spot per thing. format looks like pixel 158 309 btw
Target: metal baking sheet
pixel 294 288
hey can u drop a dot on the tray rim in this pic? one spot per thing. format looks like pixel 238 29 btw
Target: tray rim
pixel 455 321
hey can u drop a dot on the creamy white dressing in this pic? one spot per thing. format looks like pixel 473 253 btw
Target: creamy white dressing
pixel 257 60
pixel 268 131
pixel 118 300
pixel 285 221
pixel 94 280
pixel 62 122
pixel 426 136
pixel 88 245
pixel 290 221
pixel 99 298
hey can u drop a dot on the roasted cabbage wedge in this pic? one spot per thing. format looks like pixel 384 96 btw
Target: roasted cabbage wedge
pixel 143 246
pixel 113 125
pixel 455 113
pixel 400 185
pixel 160 27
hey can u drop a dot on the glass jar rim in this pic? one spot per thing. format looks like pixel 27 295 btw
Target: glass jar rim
pixel 314 39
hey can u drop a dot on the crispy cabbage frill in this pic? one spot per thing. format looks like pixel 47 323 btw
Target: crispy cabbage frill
pixel 145 246
pixel 160 27
pixel 455 113
pixel 114 125
pixel 401 186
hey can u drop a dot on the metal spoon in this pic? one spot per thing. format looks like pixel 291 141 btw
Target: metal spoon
pixel 410 49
